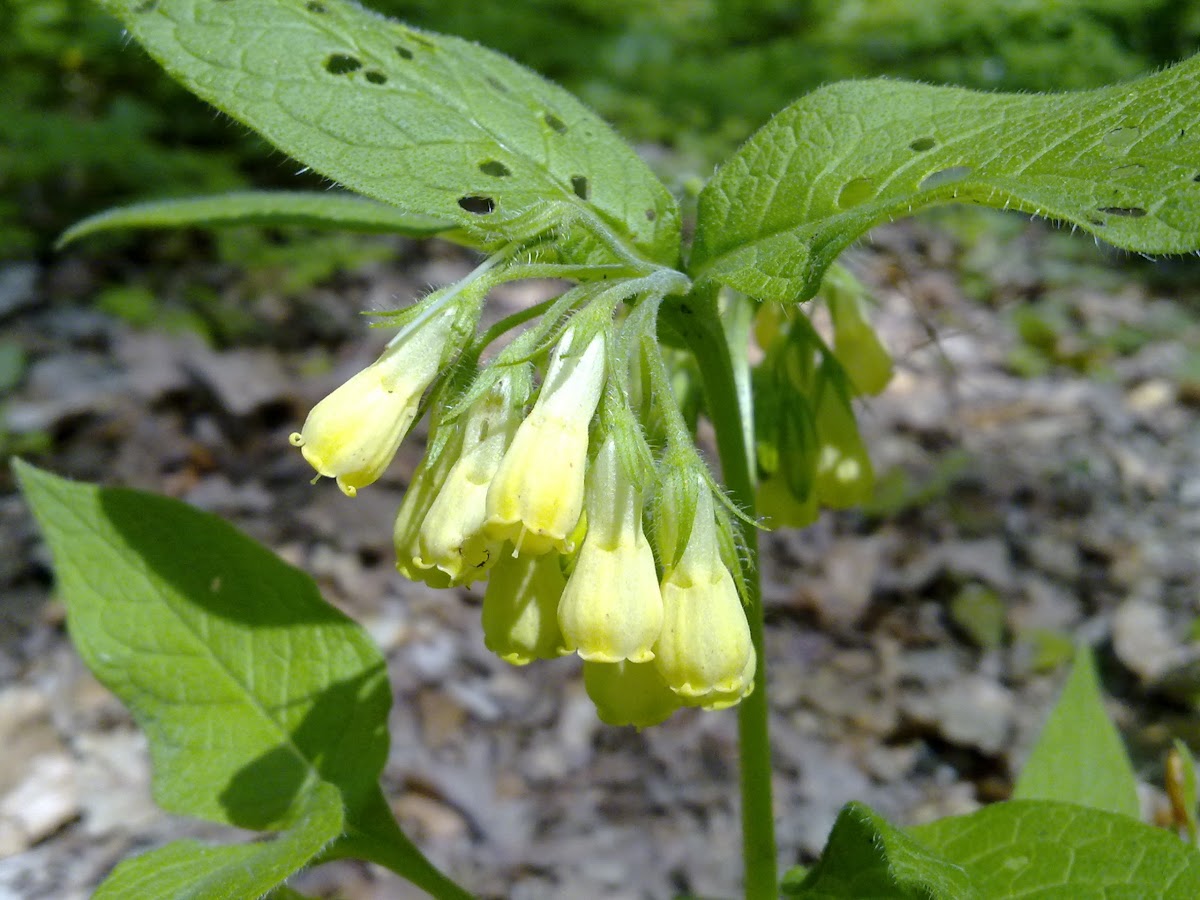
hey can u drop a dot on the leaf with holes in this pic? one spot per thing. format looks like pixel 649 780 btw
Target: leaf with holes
pixel 1039 850
pixel 189 870
pixel 436 125
pixel 1122 162
pixel 304 208
pixel 1079 756
pixel 251 689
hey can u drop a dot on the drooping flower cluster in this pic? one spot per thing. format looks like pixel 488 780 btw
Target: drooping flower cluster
pixel 545 494
pixel 810 452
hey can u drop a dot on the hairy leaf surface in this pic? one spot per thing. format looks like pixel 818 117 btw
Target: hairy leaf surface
pixel 434 124
pixel 1122 162
pixel 1020 850
pixel 867 857
pixel 1039 850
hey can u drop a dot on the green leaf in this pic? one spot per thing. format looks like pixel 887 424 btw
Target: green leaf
pixel 866 857
pixel 1079 757
pixel 189 870
pixel 434 124
pixel 1122 162
pixel 306 208
pixel 250 688
pixel 1040 850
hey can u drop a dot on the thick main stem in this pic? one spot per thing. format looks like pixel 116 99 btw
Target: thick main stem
pixel 758 820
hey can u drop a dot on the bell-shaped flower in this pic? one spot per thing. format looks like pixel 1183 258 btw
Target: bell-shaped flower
pixel 725 699
pixel 520 607
pixel 704 652
pixel 778 506
pixel 536 496
pixel 844 476
pixel 354 432
pixel 612 609
pixel 628 693
pixel 857 346
pixel 452 536
pixel 423 488
pixel 770 324
pixel 787 459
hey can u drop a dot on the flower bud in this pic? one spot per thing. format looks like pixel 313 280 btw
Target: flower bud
pixel 704 652
pixel 857 346
pixel 353 433
pixel 452 536
pixel 627 693
pixel 536 496
pixel 520 607
pixel 611 609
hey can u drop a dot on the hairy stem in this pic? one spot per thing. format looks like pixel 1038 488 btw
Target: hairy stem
pixel 708 342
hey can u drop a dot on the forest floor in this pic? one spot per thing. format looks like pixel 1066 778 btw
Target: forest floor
pixel 1039 464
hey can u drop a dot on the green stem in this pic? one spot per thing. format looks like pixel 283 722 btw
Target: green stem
pixel 721 393
pixel 373 835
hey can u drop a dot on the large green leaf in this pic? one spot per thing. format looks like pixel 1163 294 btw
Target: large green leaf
pixel 433 124
pixel 867 857
pixel 1079 757
pixel 189 870
pixel 250 688
pixel 1122 162
pixel 306 208
pixel 1039 850
pixel 1021 850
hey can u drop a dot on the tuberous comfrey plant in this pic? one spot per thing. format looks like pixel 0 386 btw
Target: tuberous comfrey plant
pixel 563 471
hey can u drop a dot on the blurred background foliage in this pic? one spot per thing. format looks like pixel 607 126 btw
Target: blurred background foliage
pixel 87 120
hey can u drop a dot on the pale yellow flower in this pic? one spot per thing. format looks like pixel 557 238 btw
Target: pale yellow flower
pixel 611 609
pixel 704 652
pixel 855 343
pixel 520 607
pixel 844 476
pixel 354 432
pixel 536 496
pixel 743 688
pixel 452 536
pixel 627 693
pixel 440 457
